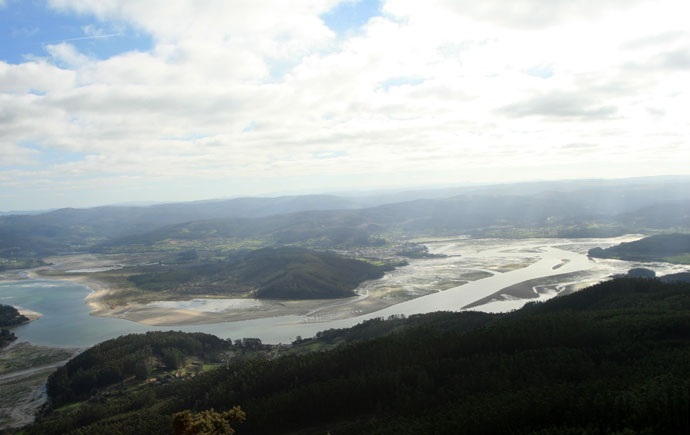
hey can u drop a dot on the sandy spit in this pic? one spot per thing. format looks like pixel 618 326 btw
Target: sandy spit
pixel 317 310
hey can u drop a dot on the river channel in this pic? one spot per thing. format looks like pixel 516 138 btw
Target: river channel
pixel 66 320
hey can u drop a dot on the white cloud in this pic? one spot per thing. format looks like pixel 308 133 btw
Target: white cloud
pixel 15 155
pixel 35 76
pixel 477 91
pixel 570 105
pixel 91 30
pixel 520 14
pixel 66 54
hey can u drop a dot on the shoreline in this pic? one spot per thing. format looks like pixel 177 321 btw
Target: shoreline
pixel 316 310
pixel 313 310
pixel 98 289
pixel 30 314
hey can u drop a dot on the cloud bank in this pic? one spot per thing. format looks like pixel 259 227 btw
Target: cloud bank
pixel 241 97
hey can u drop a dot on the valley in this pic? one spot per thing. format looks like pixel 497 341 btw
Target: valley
pixel 300 280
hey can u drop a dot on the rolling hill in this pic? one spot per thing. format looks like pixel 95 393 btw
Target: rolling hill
pixel 269 273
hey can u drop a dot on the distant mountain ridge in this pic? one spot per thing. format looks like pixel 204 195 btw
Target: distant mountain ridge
pixel 479 216
pixel 71 229
pixel 578 209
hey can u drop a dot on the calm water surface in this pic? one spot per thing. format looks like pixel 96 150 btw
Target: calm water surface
pixel 66 320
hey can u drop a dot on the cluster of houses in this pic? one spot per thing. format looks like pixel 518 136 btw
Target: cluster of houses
pixel 170 377
pixel 239 347
pixel 178 375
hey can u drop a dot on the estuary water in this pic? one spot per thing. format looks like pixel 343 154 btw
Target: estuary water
pixel 66 320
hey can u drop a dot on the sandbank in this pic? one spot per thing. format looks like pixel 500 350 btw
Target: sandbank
pixel 30 314
pixel 525 289
pixel 316 310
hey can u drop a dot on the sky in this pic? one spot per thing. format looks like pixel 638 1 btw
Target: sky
pixel 106 101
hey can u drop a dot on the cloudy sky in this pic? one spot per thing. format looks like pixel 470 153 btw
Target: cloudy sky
pixel 105 101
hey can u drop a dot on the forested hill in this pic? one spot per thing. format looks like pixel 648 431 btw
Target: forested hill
pixel 673 248
pixel 270 273
pixel 9 316
pixel 609 358
pixel 134 355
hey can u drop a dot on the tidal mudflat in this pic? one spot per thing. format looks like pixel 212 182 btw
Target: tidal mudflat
pixel 24 369
pixel 476 274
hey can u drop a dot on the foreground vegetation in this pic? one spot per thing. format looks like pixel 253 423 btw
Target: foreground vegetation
pixel 609 358
pixel 132 356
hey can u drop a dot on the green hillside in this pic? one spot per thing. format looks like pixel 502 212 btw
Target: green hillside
pixel 673 248
pixel 612 358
